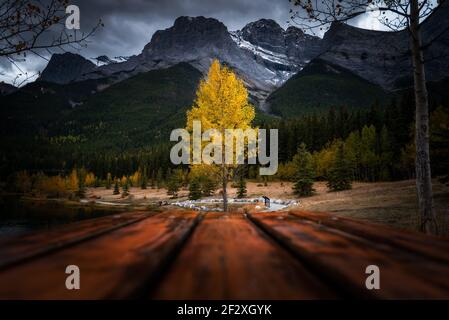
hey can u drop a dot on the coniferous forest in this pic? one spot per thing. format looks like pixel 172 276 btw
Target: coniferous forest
pixel 377 140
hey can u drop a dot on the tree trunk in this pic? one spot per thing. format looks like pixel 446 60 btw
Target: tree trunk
pixel 422 162
pixel 225 184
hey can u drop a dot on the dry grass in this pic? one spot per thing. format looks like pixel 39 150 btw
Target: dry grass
pixel 392 203
pixel 137 195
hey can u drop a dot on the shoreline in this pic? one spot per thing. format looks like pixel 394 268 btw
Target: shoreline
pixel 390 203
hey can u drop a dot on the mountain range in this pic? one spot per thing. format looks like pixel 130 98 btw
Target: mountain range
pixel 266 56
pixel 124 103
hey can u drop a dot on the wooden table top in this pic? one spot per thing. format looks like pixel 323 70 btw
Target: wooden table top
pixel 180 254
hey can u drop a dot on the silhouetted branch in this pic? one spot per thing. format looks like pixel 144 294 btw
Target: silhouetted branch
pixel 311 15
pixel 27 26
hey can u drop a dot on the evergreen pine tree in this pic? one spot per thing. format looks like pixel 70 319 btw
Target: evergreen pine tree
pixel 172 187
pixel 208 186
pixel 386 155
pixel 152 182
pixel 194 189
pixel 125 191
pixel 108 181
pixel 159 179
pixel 174 183
pixel 339 176
pixel 97 182
pixel 144 179
pixel 353 153
pixel 439 139
pixel 116 188
pixel 241 192
pixel 304 172
pixel 81 192
pixel 368 152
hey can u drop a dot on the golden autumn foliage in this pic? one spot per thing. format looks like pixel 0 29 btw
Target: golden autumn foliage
pixel 90 180
pixel 202 170
pixel 54 186
pixel 72 181
pixel 135 179
pixel 323 160
pixel 286 171
pixel 221 101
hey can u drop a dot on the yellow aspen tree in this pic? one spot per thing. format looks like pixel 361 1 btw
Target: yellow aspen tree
pixel 72 181
pixel 221 103
pixel 135 179
pixel 89 181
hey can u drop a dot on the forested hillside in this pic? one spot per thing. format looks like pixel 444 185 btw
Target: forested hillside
pixel 136 113
pixel 321 85
pixel 124 127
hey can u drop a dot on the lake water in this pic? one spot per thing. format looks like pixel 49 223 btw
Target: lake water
pixel 18 216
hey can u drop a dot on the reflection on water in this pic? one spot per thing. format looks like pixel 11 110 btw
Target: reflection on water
pixel 19 216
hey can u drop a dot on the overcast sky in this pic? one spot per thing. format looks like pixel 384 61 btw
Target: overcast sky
pixel 130 24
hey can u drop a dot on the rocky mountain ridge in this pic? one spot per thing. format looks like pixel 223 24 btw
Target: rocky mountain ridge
pixel 265 55
pixel 199 40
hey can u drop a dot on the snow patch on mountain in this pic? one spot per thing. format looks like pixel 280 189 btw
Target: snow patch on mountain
pixel 265 54
pixel 280 66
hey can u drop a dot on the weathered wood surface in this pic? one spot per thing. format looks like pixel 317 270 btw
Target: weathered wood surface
pixel 343 257
pixel 188 255
pixel 117 264
pixel 29 246
pixel 229 258
pixel 430 246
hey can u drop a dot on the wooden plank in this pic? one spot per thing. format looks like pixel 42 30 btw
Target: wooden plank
pixel 341 259
pixel 430 246
pixel 229 258
pixel 119 264
pixel 19 249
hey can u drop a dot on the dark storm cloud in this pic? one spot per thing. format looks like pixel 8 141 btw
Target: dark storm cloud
pixel 129 25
